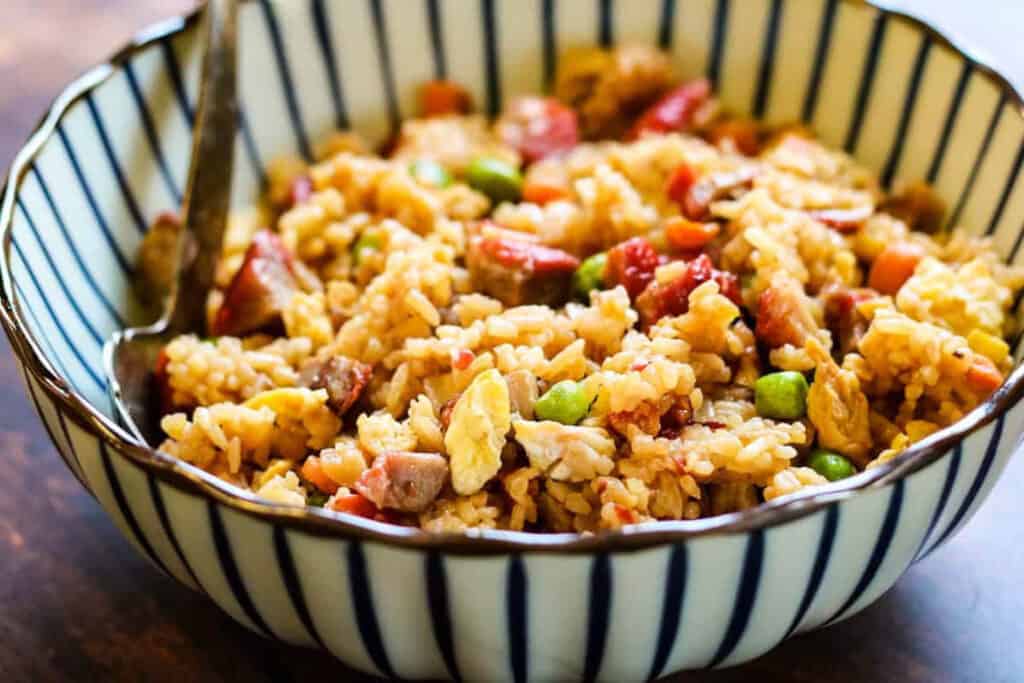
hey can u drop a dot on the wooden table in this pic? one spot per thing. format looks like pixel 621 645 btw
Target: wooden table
pixel 77 603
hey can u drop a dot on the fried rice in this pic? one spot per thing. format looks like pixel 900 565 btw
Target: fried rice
pixel 415 337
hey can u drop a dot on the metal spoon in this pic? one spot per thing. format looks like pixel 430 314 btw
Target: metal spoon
pixel 130 355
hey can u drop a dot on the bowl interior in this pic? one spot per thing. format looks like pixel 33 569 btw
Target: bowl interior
pixel 85 191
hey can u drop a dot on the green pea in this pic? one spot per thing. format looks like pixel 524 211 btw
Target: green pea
pixel 590 275
pixel 368 240
pixel 781 395
pixel 565 402
pixel 497 179
pixel 317 499
pixel 831 465
pixel 429 172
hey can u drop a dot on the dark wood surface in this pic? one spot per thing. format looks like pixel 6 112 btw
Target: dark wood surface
pixel 77 603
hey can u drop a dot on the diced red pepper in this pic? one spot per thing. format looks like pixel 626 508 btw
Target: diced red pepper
pixel 843 220
pixel 355 504
pixel 440 97
pixel 538 127
pixel 163 383
pixel 631 264
pixel 260 290
pixel 680 182
pixel 463 358
pixel 674 111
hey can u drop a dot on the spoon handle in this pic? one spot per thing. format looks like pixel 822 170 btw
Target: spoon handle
pixel 208 192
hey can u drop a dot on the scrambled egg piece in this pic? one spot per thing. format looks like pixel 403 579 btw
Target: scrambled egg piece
pixel 476 433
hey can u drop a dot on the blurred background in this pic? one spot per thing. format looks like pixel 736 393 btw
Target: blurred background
pixel 77 603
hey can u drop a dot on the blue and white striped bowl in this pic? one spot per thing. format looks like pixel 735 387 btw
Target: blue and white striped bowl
pixel 111 154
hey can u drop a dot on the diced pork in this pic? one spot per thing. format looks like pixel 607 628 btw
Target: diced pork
pixel 784 315
pixel 673 298
pixel 343 378
pixel 538 127
pixel 520 272
pixel 260 290
pixel 404 481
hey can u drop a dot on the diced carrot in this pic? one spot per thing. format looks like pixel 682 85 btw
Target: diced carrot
pixel 355 504
pixel 983 376
pixel 894 266
pixel 314 474
pixel 684 234
pixel 440 97
pixel 542 193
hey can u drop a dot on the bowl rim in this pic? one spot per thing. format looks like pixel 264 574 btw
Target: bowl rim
pixel 318 522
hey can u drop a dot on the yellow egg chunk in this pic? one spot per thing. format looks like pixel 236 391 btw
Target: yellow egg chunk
pixel 476 434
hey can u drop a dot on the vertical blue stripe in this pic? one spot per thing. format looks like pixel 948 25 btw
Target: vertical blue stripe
pixel 437 39
pixel 248 140
pixel 986 142
pixel 45 249
pixel 1011 182
pixel 230 570
pixel 667 24
pixel 517 617
pixel 125 509
pixel 671 608
pixel 165 523
pixel 940 507
pixel 115 166
pixel 718 29
pixel 909 102
pixel 53 437
pixel 821 559
pixel 605 29
pixel 56 275
pixel 979 481
pixel 440 611
pixel 41 334
pixel 56 321
pixel 173 68
pixel 745 597
pixel 149 128
pixel 384 55
pixel 601 587
pixel 285 74
pixel 547 30
pixel 764 79
pixel 322 26
pixel 491 57
pixel 885 536
pixel 72 454
pixel 867 78
pixel 828 20
pixel 366 616
pixel 108 235
pixel 951 116
pixel 292 584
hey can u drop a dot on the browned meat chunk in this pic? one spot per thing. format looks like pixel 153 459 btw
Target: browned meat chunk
pixel 260 290
pixel 404 481
pixel 843 319
pixel 784 315
pixel 343 378
pixel 713 187
pixel 520 272
pixel 918 206
pixel 157 259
